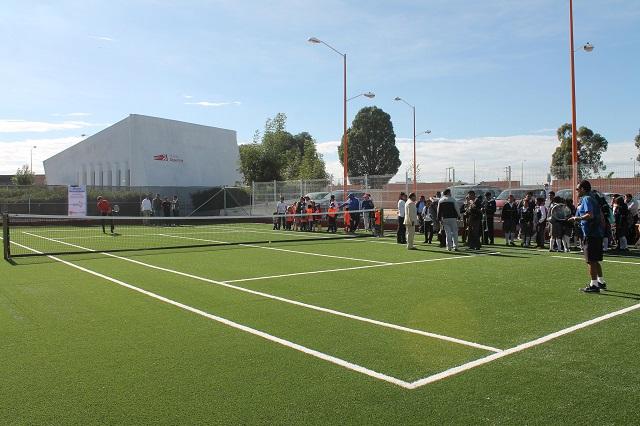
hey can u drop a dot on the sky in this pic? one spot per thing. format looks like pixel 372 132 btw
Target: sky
pixel 489 78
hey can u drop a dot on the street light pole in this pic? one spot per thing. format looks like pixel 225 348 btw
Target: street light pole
pixel 413 108
pixel 574 131
pixel 31 155
pixel 345 138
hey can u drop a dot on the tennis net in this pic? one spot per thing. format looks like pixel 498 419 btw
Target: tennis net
pixel 37 235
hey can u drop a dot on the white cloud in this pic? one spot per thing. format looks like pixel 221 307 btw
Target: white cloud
pixel 102 38
pixel 212 104
pixel 528 155
pixel 20 126
pixel 187 96
pixel 329 147
pixel 72 114
pixel 14 154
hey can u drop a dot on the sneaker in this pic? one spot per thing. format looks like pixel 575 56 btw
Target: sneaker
pixel 602 285
pixel 591 289
pixel 567 250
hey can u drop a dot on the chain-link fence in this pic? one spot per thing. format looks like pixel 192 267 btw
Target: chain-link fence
pixel 200 201
pixel 385 190
pixel 261 198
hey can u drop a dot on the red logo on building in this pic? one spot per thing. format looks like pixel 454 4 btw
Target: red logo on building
pixel 174 158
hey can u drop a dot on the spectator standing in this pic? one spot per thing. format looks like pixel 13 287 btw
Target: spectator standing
pixel 401 236
pixel 175 206
pixel 541 222
pixel 367 204
pixel 146 209
pixel 632 206
pixel 490 212
pixel 157 206
pixel 589 216
pixel 509 218
pixel 410 220
pixel 281 210
pixel 419 207
pixel 438 229
pixel 448 214
pixel 166 208
pixel 427 219
pixel 474 221
pixel 621 215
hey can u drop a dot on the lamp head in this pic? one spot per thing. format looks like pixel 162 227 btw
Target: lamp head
pixel 369 95
pixel 588 47
pixel 397 98
pixel 314 40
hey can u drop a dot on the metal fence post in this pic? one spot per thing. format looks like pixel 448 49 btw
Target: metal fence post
pixel 253 192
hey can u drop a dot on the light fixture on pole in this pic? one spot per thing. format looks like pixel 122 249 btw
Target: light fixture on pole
pixel 345 142
pixel 369 95
pixel 31 156
pixel 413 108
pixel 574 131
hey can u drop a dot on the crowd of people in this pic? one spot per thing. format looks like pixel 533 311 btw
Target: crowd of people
pixel 534 221
pixel 160 206
pixel 306 215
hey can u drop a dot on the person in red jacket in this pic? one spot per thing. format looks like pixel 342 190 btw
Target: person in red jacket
pixel 104 209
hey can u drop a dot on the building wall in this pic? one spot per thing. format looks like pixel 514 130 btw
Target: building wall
pixel 149 151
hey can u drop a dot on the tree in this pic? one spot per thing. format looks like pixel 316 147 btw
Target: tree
pixel 637 139
pixel 24 176
pixel 591 146
pixel 279 155
pixel 372 144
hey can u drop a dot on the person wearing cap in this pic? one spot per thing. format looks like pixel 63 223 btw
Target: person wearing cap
pixel 401 235
pixel 411 220
pixel 589 216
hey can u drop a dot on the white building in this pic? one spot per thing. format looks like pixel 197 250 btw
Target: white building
pixel 149 151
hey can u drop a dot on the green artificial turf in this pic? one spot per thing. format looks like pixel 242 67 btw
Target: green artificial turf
pixel 79 349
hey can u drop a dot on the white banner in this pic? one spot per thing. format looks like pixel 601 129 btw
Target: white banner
pixel 77 200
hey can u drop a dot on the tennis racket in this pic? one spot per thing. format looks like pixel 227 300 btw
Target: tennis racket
pixel 560 212
pixel 116 209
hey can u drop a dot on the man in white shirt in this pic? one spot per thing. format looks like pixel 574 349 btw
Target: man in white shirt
pixel 541 222
pixel 411 220
pixel 401 236
pixel 145 207
pixel 281 209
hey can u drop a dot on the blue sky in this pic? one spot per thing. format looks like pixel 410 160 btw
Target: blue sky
pixel 490 78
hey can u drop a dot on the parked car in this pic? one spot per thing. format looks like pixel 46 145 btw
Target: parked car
pixel 567 194
pixel 519 194
pixel 317 196
pixel 459 192
pixel 324 202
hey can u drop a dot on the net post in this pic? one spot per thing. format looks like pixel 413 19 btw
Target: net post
pixel 5 236
pixel 381 222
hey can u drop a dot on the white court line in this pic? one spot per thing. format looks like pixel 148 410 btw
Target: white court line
pixel 280 249
pixel 442 375
pixel 473 364
pixel 439 259
pixel 605 260
pixel 295 302
pixel 267 336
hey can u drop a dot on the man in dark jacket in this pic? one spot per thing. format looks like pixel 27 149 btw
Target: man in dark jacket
pixel 509 217
pixel 474 220
pixel 489 208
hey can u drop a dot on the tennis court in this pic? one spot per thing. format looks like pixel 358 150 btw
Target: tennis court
pixel 305 323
